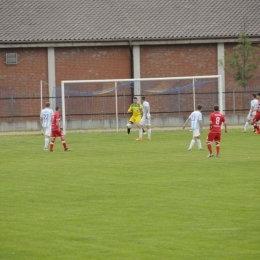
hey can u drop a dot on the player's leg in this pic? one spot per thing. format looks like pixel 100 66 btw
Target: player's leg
pixel 53 138
pixel 255 123
pixel 210 138
pixel 47 133
pixel 199 143
pixel 195 134
pixel 140 133
pixel 140 127
pixel 149 133
pixel 46 142
pixel 192 142
pixel 149 129
pixel 247 123
pixel 128 127
pixel 217 140
pixel 52 144
pixel 63 141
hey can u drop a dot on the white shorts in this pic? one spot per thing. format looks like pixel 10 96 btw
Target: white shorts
pixel 47 131
pixel 196 132
pixel 251 117
pixel 145 121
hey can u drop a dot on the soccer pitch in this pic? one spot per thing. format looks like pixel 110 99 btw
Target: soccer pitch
pixel 114 198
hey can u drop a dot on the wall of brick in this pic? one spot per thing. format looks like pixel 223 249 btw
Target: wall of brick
pixel 80 63
pixel 21 81
pixel 26 75
pixel 180 61
pixel 92 63
pixel 88 63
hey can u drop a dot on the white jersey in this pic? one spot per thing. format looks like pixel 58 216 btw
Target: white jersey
pixel 195 117
pixel 254 103
pixel 46 115
pixel 146 109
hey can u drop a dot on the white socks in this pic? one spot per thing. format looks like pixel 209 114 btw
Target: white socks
pixel 46 143
pixel 149 131
pixel 199 143
pixel 191 144
pixel 140 133
pixel 246 126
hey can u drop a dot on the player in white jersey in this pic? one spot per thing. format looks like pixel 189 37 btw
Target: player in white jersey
pixel 46 122
pixel 196 127
pixel 145 121
pixel 252 111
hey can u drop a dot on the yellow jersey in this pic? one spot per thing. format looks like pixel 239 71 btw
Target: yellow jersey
pixel 136 109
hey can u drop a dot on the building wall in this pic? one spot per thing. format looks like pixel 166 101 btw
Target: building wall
pixel 21 81
pixel 178 60
pixel 26 75
pixel 81 63
pixel 88 63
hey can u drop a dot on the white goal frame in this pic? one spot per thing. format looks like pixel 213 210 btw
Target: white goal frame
pixel 138 91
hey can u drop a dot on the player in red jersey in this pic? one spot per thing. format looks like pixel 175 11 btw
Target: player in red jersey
pixel 56 131
pixel 257 115
pixel 215 121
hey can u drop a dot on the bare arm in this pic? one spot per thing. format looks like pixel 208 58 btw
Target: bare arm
pixel 188 119
pixel 200 122
pixel 210 125
pixel 225 125
pixel 252 110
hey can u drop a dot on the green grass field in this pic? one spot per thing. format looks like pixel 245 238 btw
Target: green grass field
pixel 114 198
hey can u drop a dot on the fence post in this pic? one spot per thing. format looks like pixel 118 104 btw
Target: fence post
pixel 234 102
pixel 69 106
pixel 12 105
pixel 179 102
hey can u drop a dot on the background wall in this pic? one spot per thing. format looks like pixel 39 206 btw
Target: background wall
pixel 20 84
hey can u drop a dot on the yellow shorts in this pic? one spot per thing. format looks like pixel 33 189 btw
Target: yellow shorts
pixel 135 119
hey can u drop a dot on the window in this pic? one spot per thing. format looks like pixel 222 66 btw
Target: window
pixel 11 58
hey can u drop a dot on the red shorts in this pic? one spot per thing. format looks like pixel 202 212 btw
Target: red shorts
pixel 256 118
pixel 56 133
pixel 214 137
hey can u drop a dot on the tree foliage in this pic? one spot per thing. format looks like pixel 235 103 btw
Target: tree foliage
pixel 242 62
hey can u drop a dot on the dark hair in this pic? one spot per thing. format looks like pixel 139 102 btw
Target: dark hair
pixel 216 108
pixel 258 94
pixel 254 95
pixel 135 98
pixel 199 107
pixel 57 108
pixel 143 98
pixel 47 104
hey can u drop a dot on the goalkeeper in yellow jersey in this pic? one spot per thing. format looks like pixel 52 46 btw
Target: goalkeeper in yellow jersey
pixel 136 110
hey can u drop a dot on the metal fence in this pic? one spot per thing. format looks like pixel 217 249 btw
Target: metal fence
pixel 27 106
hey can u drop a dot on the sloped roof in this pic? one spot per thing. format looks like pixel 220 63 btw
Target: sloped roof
pixel 113 20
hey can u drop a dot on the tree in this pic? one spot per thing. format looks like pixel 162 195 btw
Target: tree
pixel 242 62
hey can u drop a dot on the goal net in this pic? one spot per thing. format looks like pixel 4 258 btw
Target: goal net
pixel 104 103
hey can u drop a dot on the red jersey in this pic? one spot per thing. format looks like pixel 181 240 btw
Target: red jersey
pixel 258 107
pixel 55 121
pixel 216 119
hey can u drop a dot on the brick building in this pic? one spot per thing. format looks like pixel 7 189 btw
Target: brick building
pixel 76 40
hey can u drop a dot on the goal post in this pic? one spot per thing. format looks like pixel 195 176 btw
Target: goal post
pixel 86 89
